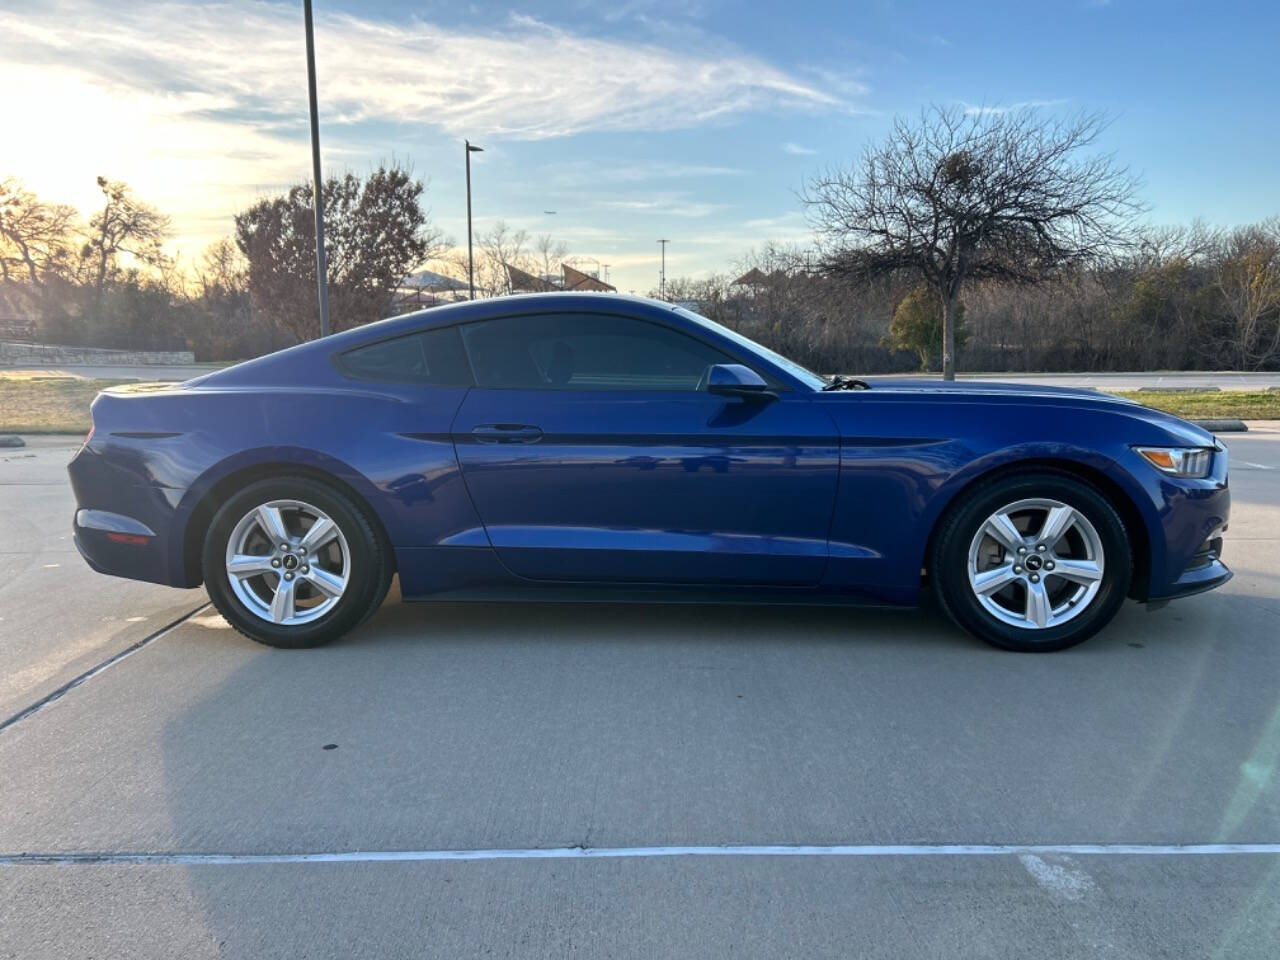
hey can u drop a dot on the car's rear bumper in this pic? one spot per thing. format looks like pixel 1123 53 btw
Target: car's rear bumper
pixel 121 546
pixel 123 527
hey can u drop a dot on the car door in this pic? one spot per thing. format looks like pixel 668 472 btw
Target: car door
pixel 591 455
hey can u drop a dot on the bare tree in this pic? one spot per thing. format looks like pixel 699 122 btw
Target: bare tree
pixel 1158 246
pixel 1247 273
pixel 222 270
pixel 549 253
pixel 124 225
pixel 501 247
pixel 961 196
pixel 35 237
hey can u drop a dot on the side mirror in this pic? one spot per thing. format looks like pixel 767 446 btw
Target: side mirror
pixel 735 380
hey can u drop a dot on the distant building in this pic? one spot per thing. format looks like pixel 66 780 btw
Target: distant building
pixel 752 278
pixel 571 278
pixel 521 282
pixel 426 288
pixel 575 279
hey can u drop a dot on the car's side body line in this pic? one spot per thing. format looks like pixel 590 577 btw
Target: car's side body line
pixel 856 527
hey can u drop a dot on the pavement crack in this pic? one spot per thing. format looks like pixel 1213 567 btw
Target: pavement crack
pixel 92 672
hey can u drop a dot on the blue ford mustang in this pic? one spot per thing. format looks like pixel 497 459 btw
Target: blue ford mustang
pixel 584 446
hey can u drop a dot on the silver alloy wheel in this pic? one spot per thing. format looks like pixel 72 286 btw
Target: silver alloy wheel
pixel 288 562
pixel 1036 564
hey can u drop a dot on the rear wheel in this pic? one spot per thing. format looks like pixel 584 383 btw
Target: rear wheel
pixel 292 562
pixel 1032 562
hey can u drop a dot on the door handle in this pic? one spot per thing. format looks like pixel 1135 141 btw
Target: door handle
pixel 506 433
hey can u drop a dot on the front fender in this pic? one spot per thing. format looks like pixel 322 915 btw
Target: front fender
pixel 1066 456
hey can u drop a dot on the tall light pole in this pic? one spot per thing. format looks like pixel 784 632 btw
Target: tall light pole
pixel 322 268
pixel 471 264
pixel 662 277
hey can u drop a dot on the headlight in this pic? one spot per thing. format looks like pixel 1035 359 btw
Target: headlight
pixel 1191 462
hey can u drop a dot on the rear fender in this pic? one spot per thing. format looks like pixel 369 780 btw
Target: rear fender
pixel 256 463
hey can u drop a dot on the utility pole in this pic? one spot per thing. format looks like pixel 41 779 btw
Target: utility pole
pixel 471 263
pixel 322 268
pixel 662 277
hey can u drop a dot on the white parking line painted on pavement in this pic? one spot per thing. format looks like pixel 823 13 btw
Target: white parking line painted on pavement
pixel 617 853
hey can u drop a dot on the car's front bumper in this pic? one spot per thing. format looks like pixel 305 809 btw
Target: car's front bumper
pixel 1191 515
pixel 1205 572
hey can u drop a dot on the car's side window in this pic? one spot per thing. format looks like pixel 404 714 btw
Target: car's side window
pixel 585 351
pixel 433 357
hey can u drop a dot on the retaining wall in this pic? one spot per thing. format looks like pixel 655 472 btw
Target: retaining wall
pixel 16 354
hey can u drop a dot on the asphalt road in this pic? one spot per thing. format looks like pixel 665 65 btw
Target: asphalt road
pixel 532 728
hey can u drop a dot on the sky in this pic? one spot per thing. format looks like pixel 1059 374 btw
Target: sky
pixel 632 120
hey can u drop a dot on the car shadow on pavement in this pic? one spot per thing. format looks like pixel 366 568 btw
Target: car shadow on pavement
pixel 463 726
pixel 400 622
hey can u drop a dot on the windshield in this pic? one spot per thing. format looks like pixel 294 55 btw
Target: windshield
pixel 803 374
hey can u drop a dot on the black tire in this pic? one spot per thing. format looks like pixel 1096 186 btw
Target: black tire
pixel 949 560
pixel 371 564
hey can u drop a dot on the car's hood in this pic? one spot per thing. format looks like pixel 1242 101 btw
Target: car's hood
pixel 972 388
pixel 1031 394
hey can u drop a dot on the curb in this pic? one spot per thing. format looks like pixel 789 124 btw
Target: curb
pixel 8 440
pixel 1179 389
pixel 1222 426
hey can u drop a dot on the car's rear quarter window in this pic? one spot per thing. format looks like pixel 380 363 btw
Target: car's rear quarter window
pixel 430 357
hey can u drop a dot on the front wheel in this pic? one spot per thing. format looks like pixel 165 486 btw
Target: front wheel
pixel 1032 562
pixel 292 562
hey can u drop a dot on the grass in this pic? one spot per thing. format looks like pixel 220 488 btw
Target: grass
pixel 1211 405
pixel 36 403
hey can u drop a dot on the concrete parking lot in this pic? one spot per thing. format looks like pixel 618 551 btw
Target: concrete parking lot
pixel 606 781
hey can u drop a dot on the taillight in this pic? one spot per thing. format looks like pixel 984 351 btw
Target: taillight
pixel 87 437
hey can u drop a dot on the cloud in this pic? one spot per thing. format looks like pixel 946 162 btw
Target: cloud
pixel 844 84
pixel 796 150
pixel 524 80
pixel 202 106
pixel 975 109
pixel 671 205
pixel 790 227
pixel 577 174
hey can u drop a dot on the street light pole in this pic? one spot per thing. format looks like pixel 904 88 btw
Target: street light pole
pixel 471 264
pixel 662 277
pixel 322 268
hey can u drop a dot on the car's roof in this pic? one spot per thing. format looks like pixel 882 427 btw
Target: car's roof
pixel 314 351
pixel 466 311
